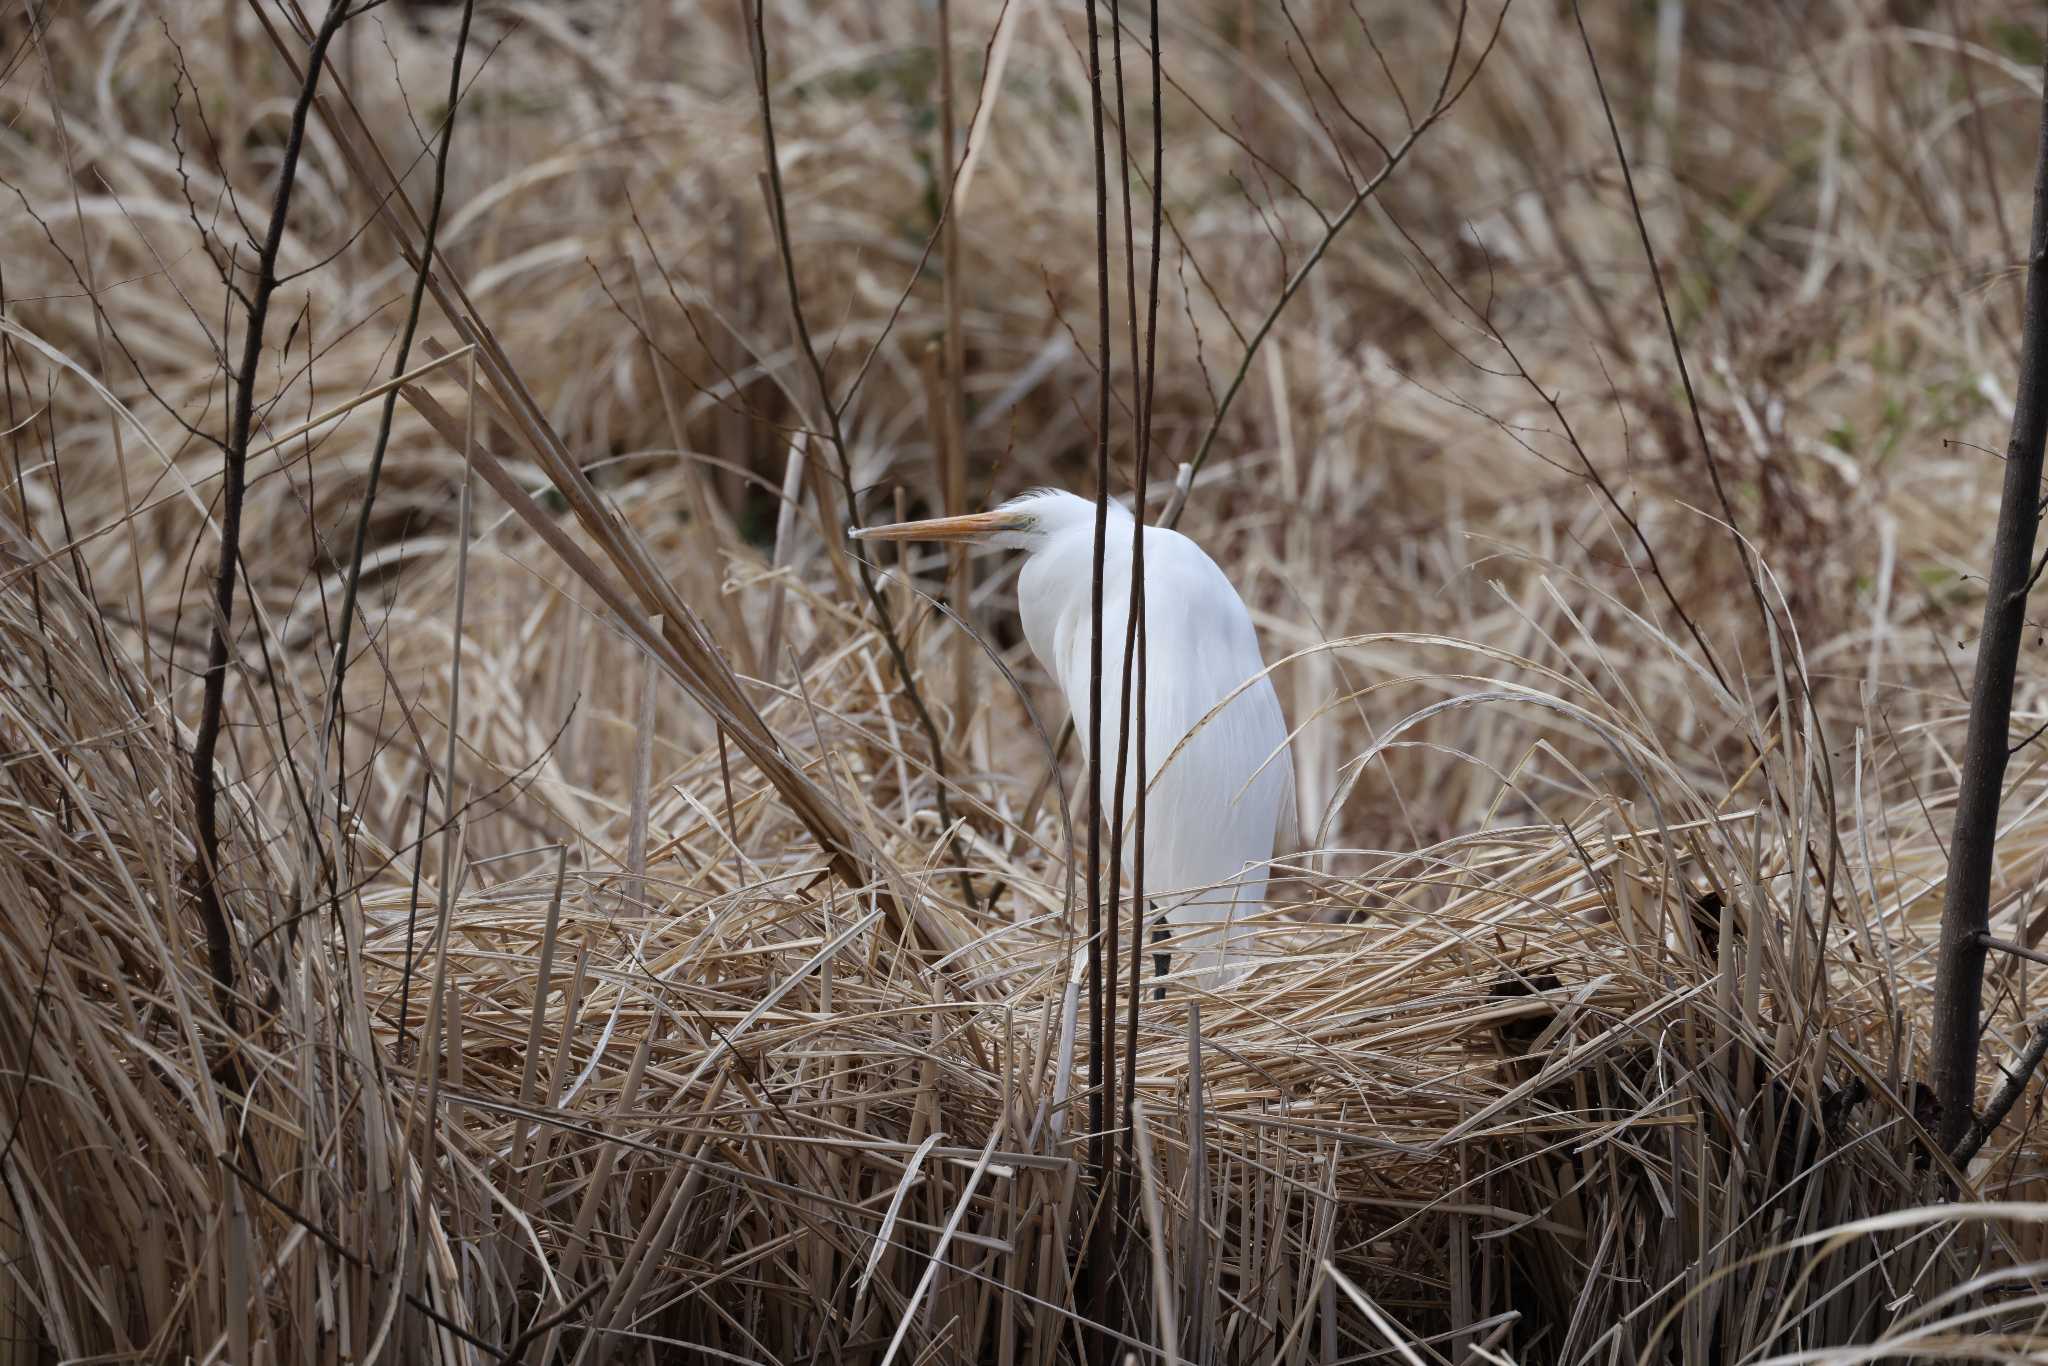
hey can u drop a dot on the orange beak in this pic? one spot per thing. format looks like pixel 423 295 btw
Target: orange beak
pixel 972 527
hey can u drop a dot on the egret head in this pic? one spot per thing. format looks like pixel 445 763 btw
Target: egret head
pixel 1027 522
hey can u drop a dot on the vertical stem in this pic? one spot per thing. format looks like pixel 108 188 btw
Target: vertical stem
pixel 953 440
pixel 1959 980
pixel 352 583
pixel 1100 1058
pixel 1134 619
pixel 235 464
pixel 1136 645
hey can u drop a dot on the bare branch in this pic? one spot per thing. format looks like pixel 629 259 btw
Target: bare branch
pixel 1966 901
pixel 235 460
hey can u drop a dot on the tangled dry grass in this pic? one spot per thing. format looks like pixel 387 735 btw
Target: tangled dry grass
pixel 611 988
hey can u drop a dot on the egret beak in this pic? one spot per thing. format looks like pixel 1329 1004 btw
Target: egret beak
pixel 973 527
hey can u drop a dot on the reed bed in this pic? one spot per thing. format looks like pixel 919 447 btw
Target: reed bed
pixel 610 985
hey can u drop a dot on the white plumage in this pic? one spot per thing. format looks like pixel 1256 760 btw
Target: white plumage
pixel 1221 796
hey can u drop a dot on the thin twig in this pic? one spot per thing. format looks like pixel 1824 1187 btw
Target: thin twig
pixel 235 465
pixel 1144 481
pixel 1133 615
pixel 1692 403
pixel 778 212
pixel 1448 96
pixel 1991 941
pixel 352 584
pixel 1099 1277
pixel 1132 686
pixel 2008 1094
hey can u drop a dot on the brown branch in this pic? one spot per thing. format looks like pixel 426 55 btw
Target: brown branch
pixel 1143 372
pixel 1965 912
pixel 1991 941
pixel 2016 1078
pixel 1099 1271
pixel 235 462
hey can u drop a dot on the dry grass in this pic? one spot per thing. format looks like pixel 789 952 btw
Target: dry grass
pixel 1589 1022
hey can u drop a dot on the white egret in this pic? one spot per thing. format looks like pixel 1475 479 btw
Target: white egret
pixel 1218 798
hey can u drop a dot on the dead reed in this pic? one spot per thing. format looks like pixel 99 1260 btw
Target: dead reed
pixel 613 988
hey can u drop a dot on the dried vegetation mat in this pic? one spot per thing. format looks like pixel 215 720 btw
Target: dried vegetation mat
pixel 611 981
